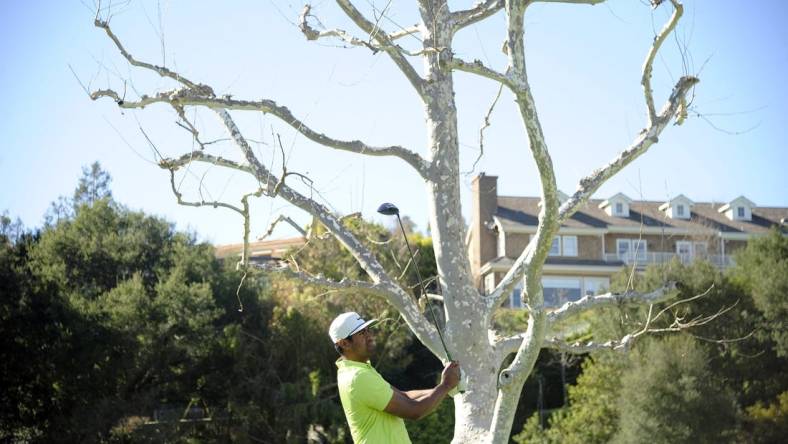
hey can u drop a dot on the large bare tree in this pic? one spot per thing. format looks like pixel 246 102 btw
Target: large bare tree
pixel 494 367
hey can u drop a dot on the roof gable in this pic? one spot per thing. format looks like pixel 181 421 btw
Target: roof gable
pixel 616 205
pixel 738 209
pixel 618 197
pixel 680 199
pixel 740 201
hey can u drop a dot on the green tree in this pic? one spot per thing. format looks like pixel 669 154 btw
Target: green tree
pixel 669 395
pixel 766 423
pixel 739 353
pixel 592 414
pixel 117 316
pixel 10 230
pixel 94 185
pixel 762 271
pixel 103 245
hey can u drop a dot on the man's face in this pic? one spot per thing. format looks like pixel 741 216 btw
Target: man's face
pixel 361 343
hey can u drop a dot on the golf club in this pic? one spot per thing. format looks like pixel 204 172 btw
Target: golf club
pixel 389 209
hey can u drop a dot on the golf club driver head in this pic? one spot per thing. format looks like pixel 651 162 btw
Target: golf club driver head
pixel 388 209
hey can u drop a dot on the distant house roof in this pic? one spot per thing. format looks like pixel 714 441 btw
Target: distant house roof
pixel 522 212
pixel 260 250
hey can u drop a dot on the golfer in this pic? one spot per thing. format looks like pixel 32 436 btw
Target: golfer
pixel 374 408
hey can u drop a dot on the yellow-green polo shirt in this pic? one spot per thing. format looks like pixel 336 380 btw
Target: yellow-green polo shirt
pixel 364 394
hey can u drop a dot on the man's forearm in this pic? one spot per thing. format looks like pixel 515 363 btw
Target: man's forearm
pixel 418 395
pixel 430 400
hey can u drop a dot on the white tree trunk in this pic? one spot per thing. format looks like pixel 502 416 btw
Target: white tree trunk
pixel 466 333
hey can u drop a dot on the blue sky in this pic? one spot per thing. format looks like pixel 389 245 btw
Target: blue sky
pixel 584 67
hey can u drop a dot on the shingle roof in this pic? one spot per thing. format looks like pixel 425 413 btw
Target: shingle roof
pixel 273 248
pixel 705 216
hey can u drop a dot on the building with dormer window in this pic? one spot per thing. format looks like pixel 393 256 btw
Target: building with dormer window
pixel 605 235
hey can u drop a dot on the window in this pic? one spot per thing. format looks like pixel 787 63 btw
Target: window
pixel 680 210
pixel 619 208
pixel 558 291
pixel 740 211
pixel 684 250
pixel 623 247
pixel 555 248
pixel 629 249
pixel 639 246
pixel 564 246
pixel 570 245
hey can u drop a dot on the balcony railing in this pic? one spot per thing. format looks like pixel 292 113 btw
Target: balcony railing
pixel 644 259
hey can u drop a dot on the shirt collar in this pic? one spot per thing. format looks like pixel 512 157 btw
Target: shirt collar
pixel 342 362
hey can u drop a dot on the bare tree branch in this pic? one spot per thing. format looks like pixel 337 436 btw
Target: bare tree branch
pixel 282 218
pixel 341 34
pixel 477 67
pixel 674 107
pixel 570 309
pixel 202 203
pixel 321 281
pixel 678 10
pixel 385 42
pixel 162 71
pixel 480 11
pixel 201 156
pixel 529 263
pixel 679 323
pixel 313 34
pixel 179 98
pixel 196 94
pixel 395 295
pixel 528 266
pixel 415 29
pixel 486 124
pixel 622 344
pixel 591 183
pixel 487 8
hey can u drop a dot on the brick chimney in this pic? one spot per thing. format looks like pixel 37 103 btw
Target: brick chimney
pixel 483 245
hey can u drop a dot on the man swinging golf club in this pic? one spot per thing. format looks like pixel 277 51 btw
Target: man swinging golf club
pixel 374 408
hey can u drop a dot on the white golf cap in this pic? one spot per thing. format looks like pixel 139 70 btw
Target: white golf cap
pixel 346 324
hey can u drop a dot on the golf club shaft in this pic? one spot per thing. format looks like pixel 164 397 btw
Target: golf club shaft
pixel 423 290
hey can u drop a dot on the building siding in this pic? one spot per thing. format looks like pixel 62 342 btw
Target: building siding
pixel 589 247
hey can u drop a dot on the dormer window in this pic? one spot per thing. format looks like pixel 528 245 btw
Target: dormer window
pixel 738 209
pixel 680 207
pixel 617 205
